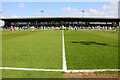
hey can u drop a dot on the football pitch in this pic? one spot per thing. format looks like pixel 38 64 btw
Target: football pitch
pixel 49 53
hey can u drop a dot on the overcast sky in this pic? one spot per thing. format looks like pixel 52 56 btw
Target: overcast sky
pixel 33 9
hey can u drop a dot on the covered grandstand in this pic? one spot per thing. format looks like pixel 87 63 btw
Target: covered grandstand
pixel 61 21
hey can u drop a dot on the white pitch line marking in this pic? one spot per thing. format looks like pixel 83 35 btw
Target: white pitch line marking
pixel 93 70
pixel 63 51
pixel 31 69
pixel 58 70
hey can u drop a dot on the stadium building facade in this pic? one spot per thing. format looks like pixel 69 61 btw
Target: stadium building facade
pixel 61 21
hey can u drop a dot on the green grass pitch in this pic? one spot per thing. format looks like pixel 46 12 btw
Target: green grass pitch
pixel 43 49
pixel 91 49
pixel 32 49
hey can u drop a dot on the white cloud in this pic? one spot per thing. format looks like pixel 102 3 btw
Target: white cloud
pixel 105 7
pixel 70 9
pixel 2 17
pixel 21 5
pixel 94 11
pixel 107 10
pixel 13 16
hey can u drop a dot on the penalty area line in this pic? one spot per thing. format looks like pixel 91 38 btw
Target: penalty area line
pixel 58 70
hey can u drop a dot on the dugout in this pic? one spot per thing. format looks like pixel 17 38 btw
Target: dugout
pixel 59 21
